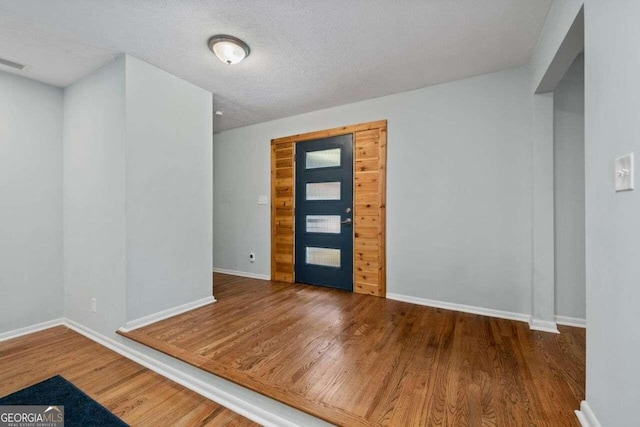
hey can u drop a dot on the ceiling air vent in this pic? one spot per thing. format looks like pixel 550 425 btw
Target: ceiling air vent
pixel 12 64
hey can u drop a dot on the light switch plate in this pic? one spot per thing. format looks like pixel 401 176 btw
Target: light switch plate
pixel 263 200
pixel 624 173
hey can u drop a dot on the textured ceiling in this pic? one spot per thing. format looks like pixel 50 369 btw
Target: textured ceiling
pixel 305 54
pixel 51 56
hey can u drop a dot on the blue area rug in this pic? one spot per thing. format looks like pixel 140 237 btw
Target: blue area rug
pixel 79 409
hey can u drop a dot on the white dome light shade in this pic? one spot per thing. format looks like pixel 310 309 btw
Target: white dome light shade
pixel 228 49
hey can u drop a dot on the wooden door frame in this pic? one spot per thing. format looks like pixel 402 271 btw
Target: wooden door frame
pixel 369 203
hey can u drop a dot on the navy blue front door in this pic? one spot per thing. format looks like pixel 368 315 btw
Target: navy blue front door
pixel 324 212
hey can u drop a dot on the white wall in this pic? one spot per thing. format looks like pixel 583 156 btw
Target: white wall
pixel 169 179
pixel 30 202
pixel 458 195
pixel 550 58
pixel 137 194
pixel 542 228
pixel 612 113
pixel 569 193
pixel 94 198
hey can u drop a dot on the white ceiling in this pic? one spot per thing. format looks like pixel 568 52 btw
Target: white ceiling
pixel 305 54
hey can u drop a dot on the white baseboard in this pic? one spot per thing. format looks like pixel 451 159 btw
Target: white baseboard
pixel 165 314
pixel 30 329
pixel 242 274
pixel 586 416
pixel 543 325
pixel 460 307
pixel 242 407
pixel 571 321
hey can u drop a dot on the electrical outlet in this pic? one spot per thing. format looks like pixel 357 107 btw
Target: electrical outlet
pixel 93 305
pixel 252 257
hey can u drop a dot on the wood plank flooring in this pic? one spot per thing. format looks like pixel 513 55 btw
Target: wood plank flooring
pixel 358 360
pixel 135 394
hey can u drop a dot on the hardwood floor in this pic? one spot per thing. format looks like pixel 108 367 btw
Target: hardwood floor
pixel 138 396
pixel 360 360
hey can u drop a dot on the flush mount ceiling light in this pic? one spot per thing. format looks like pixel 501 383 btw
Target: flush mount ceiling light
pixel 228 49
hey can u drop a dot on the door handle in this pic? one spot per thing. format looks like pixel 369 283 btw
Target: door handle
pixel 346 221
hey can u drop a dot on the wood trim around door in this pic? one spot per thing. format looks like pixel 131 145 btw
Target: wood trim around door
pixel 369 199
